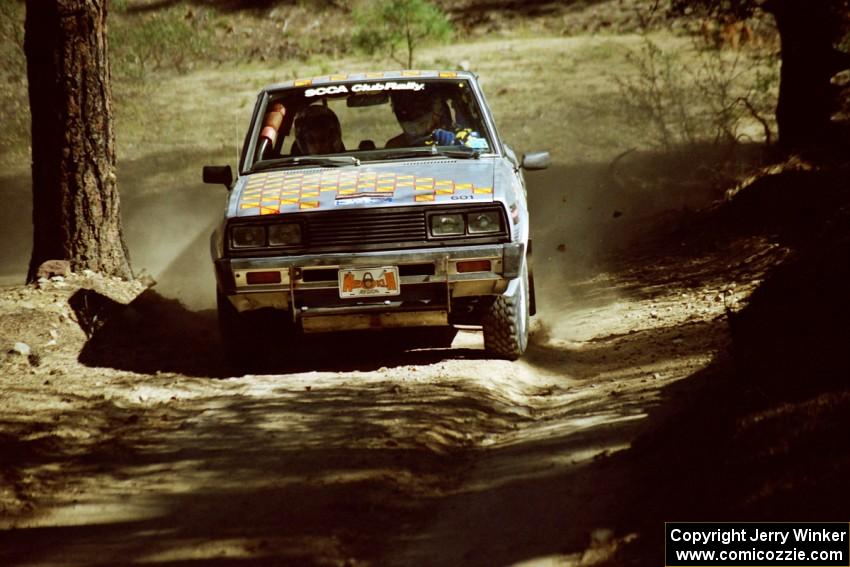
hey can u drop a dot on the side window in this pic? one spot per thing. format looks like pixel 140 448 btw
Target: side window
pixel 467 113
pixel 270 131
pixel 467 117
pixel 276 124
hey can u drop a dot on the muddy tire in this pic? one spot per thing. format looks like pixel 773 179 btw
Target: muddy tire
pixel 506 321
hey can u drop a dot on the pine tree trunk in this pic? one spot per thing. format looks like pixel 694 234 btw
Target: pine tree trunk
pixel 76 213
pixel 806 97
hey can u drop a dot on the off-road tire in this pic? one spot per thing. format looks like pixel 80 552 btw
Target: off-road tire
pixel 252 340
pixel 234 334
pixel 506 321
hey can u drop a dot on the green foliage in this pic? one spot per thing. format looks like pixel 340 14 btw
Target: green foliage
pixel 384 25
pixel 166 39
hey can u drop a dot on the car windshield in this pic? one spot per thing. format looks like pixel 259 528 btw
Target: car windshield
pixel 371 120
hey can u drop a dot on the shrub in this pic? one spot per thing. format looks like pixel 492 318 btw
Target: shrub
pixel 165 39
pixel 384 25
pixel 711 92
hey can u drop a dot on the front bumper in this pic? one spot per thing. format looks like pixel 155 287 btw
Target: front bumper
pixel 430 284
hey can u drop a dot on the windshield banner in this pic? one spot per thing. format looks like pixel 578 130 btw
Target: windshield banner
pixel 365 88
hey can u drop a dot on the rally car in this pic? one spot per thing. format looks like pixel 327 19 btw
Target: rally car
pixel 375 201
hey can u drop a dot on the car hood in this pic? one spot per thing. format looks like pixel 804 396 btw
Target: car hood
pixel 430 181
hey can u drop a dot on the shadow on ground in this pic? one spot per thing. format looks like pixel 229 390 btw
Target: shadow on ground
pixel 383 473
pixel 156 334
pixel 765 440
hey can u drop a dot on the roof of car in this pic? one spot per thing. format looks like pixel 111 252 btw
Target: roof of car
pixel 378 75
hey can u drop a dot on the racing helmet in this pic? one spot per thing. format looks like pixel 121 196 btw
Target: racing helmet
pixel 420 113
pixel 317 131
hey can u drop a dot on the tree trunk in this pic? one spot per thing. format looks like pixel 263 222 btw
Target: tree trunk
pixel 76 213
pixel 806 97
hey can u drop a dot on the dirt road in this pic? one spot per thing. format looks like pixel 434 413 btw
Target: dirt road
pixel 429 457
pixel 133 446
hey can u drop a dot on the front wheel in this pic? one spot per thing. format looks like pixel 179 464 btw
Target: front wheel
pixel 506 321
pixel 254 339
pixel 234 333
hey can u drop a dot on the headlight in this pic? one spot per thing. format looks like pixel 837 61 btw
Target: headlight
pixel 248 236
pixel 286 234
pixel 447 225
pixel 484 222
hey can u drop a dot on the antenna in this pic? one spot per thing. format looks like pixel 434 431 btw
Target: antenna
pixel 236 135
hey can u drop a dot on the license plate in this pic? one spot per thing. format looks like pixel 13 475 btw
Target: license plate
pixel 369 282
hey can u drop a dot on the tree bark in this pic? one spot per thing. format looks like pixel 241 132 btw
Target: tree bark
pixel 807 99
pixel 76 214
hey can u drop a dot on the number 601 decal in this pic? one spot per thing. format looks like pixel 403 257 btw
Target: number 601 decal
pixel 461 197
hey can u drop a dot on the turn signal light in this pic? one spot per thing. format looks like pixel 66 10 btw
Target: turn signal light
pixel 473 266
pixel 263 278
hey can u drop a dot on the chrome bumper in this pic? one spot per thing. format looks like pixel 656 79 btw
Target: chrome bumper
pixel 505 261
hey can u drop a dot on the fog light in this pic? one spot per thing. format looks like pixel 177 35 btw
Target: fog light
pixel 257 278
pixel 473 266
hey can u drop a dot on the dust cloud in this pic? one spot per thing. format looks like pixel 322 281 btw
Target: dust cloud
pixel 583 215
pixel 168 216
pixel 15 228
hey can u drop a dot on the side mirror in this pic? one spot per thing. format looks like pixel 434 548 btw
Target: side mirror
pixel 218 174
pixel 536 160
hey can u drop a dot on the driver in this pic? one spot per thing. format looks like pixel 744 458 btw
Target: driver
pixel 426 119
pixel 423 117
pixel 317 131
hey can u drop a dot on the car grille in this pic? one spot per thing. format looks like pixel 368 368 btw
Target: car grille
pixel 368 226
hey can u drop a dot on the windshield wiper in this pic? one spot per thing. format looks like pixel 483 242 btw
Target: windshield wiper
pixel 463 152
pixel 430 151
pixel 320 161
